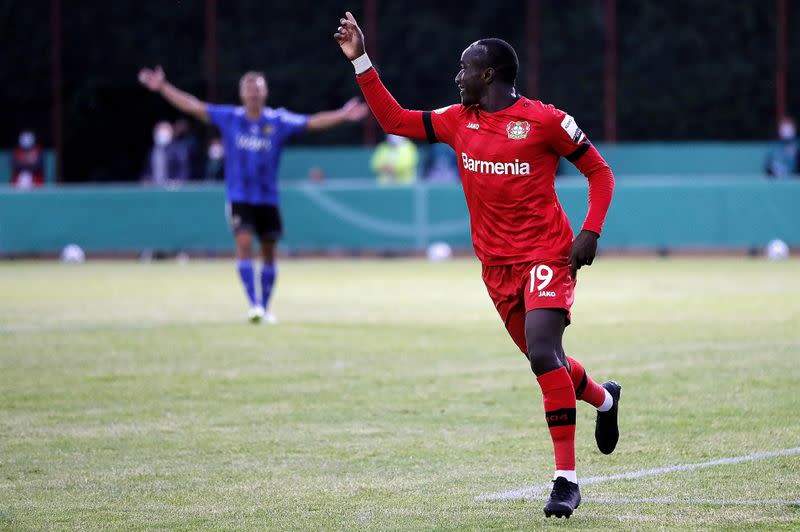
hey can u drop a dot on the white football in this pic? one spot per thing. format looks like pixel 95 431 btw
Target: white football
pixel 72 253
pixel 777 250
pixel 439 251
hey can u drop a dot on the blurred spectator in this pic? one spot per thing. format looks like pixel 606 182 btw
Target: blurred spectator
pixel 316 175
pixel 27 162
pixel 440 164
pixel 167 162
pixel 395 161
pixel 215 164
pixel 782 160
pixel 185 141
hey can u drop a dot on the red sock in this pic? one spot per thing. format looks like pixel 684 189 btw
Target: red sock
pixel 559 412
pixel 585 388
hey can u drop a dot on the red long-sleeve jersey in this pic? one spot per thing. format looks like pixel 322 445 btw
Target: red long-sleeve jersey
pixel 507 162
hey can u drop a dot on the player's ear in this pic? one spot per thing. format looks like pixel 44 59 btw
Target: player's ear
pixel 489 75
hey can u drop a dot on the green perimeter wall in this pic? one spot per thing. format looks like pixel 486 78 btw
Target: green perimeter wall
pixel 677 159
pixel 650 213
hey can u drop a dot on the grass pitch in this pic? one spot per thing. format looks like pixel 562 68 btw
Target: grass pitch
pixel 136 396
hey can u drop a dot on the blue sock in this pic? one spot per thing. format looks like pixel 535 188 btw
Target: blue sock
pixel 248 277
pixel 268 273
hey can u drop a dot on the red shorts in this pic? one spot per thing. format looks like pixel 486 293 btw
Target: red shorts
pixel 517 288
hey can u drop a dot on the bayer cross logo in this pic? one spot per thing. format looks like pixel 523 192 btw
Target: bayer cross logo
pixel 518 130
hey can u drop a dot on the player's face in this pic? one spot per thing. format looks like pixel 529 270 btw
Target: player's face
pixel 253 92
pixel 469 80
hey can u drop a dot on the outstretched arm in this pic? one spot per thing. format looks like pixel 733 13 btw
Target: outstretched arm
pixel 392 117
pixel 156 81
pixel 352 111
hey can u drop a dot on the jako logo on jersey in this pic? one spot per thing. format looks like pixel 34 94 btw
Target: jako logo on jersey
pixel 472 125
pixel 518 130
pixel 546 293
pixel 489 167
pixel 250 143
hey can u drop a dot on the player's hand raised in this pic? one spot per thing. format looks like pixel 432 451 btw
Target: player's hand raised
pixel 153 79
pixel 350 37
pixel 583 251
pixel 355 110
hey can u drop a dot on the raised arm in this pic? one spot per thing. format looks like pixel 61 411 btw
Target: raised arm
pixel 156 81
pixel 392 117
pixel 352 111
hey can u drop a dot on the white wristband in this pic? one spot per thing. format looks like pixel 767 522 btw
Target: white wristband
pixel 362 64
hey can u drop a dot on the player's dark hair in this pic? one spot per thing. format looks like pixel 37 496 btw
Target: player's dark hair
pixel 501 57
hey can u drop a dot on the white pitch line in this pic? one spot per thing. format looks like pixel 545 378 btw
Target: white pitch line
pixel 532 492
pixel 711 502
pixel 674 500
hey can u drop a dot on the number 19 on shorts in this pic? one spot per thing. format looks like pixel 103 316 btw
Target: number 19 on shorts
pixel 541 275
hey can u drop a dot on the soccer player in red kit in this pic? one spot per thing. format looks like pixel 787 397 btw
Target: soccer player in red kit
pixel 508 148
